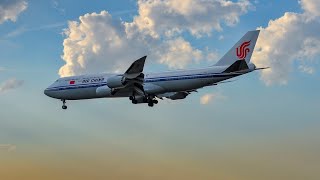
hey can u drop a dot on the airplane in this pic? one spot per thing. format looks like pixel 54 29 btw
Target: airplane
pixel 148 88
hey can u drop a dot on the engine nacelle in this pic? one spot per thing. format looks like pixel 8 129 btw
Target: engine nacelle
pixel 175 95
pixel 116 81
pixel 103 91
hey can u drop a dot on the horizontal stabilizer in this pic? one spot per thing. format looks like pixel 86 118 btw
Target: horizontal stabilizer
pixel 237 66
pixel 262 68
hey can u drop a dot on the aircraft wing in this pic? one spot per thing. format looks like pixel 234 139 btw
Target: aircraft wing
pixel 131 80
pixel 136 68
pixel 176 95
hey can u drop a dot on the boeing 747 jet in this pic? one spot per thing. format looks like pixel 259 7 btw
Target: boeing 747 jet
pixel 149 88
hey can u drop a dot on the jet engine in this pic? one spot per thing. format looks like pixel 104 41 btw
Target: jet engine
pixel 116 81
pixel 103 91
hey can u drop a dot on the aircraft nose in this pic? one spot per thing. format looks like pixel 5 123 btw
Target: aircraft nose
pixel 46 92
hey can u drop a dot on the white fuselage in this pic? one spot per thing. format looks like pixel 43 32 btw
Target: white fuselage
pixel 95 86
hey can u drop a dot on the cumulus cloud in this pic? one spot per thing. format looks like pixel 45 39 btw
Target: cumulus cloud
pixel 291 38
pixel 10 9
pixel 98 42
pixel 10 84
pixel 312 7
pixel 157 17
pixel 210 97
pixel 177 53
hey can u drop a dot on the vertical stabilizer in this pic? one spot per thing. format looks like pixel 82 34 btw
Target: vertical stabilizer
pixel 242 50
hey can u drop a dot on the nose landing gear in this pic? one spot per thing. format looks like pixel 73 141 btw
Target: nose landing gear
pixel 64 104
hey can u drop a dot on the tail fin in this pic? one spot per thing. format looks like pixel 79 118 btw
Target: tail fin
pixel 242 50
pixel 237 66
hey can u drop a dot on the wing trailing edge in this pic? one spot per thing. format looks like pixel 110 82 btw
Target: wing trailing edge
pixel 136 68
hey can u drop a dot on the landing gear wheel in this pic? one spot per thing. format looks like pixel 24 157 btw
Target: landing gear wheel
pixel 134 101
pixel 155 101
pixel 131 98
pixel 150 104
pixel 64 104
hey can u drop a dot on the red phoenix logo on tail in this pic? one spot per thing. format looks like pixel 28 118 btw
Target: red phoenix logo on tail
pixel 243 50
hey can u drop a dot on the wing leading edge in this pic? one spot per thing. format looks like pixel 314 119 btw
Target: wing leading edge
pixel 132 79
pixel 136 68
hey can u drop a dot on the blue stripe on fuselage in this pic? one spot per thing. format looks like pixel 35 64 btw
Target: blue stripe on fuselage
pixel 155 79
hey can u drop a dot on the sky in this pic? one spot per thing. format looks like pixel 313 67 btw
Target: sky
pixel 264 125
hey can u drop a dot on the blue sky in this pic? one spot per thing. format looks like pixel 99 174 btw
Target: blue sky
pixel 262 122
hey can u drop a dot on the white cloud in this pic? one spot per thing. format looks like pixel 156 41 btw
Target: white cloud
pixel 177 53
pixel 10 84
pixel 310 48
pixel 22 30
pixel 10 9
pixel 56 6
pixel 311 7
pixel 306 69
pixel 210 97
pixel 98 42
pixel 212 55
pixel 157 17
pixel 221 37
pixel 291 38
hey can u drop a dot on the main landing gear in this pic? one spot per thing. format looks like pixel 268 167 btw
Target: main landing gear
pixel 64 104
pixel 147 99
pixel 133 100
pixel 152 101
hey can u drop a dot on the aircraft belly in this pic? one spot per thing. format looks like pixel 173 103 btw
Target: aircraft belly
pixel 75 94
pixel 183 85
pixel 151 88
